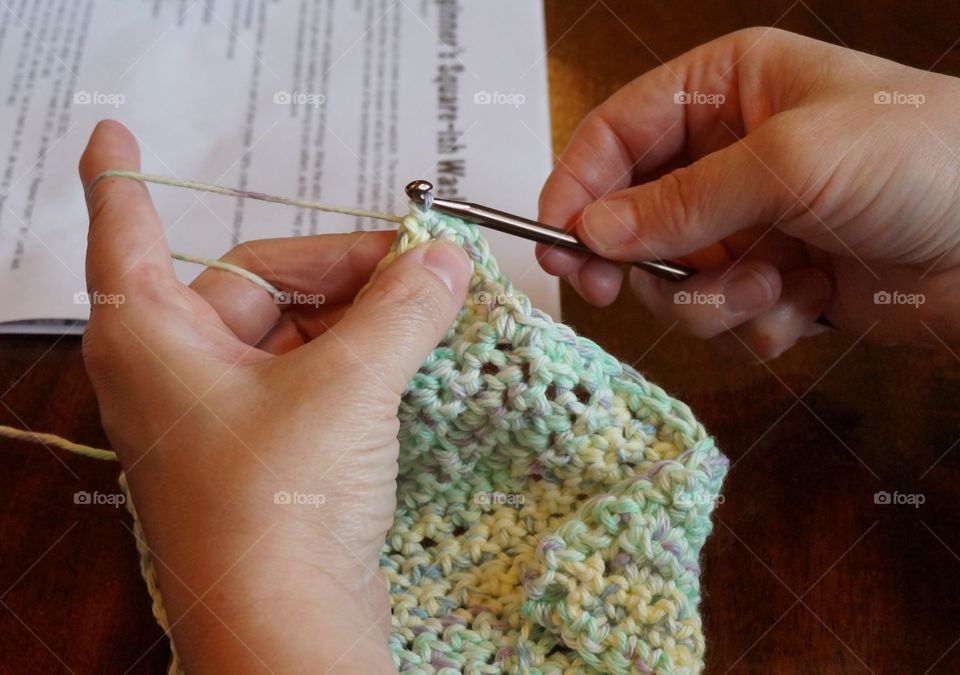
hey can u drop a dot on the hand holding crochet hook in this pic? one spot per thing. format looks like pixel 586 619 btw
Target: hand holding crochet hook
pixel 802 179
pixel 802 189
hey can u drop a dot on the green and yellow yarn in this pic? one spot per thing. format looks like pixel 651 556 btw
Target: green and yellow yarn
pixel 551 503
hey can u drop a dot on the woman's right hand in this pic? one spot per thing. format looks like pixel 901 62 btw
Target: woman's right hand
pixel 801 178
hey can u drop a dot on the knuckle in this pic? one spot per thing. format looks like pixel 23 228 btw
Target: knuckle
pixel 756 39
pixel 110 197
pixel 98 348
pixel 672 204
pixel 777 152
pixel 343 360
pixel 419 298
pixel 600 139
pixel 791 135
pixel 592 129
pixel 148 285
pixel 371 378
pixel 241 254
pixel 791 156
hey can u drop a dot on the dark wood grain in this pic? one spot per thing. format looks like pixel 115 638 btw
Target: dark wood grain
pixel 72 598
pixel 804 573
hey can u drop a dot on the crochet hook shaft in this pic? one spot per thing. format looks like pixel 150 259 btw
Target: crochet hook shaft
pixel 421 192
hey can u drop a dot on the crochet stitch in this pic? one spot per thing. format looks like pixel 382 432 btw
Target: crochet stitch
pixel 551 503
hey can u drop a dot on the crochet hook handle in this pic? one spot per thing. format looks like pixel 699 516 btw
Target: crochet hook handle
pixel 421 192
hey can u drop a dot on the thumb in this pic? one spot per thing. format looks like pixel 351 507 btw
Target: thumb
pixel 403 314
pixel 687 209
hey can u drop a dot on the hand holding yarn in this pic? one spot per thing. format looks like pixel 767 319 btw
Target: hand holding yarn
pixel 260 441
pixel 802 178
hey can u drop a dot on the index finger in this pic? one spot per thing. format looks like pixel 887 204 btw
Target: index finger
pixel 126 242
pixel 682 110
pixel 319 272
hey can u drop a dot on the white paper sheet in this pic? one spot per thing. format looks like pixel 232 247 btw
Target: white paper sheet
pixel 341 101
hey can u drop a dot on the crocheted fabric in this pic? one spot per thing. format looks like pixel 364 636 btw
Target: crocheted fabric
pixel 551 503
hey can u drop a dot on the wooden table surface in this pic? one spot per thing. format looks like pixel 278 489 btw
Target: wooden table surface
pixel 804 572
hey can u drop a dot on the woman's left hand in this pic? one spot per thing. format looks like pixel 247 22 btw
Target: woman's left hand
pixel 259 442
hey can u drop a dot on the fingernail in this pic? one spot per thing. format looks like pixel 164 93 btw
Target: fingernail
pixel 610 223
pixel 746 291
pixel 449 262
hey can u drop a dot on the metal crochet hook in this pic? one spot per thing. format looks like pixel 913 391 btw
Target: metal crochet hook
pixel 421 192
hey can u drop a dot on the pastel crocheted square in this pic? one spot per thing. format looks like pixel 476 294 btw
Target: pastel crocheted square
pixel 551 503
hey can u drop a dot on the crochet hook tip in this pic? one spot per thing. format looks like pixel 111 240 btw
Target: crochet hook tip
pixel 418 190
